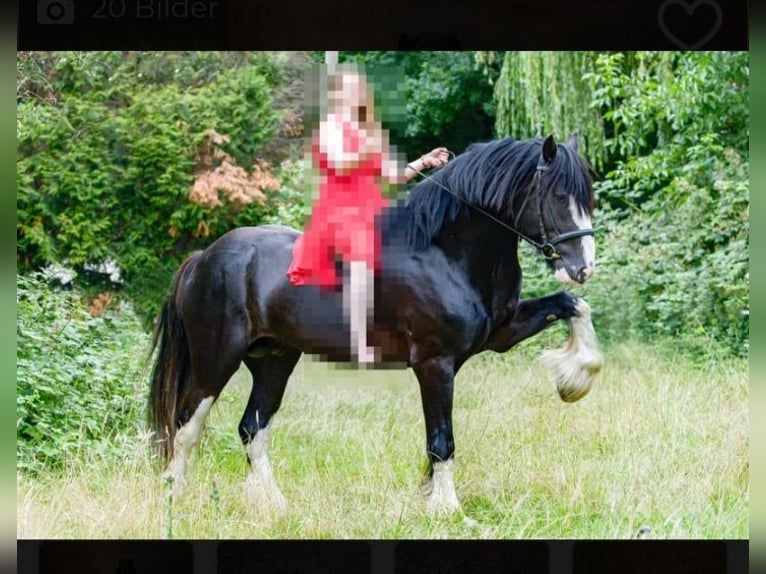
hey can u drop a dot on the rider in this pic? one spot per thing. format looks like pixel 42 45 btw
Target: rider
pixel 351 151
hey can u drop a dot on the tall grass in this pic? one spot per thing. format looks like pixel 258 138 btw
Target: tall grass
pixel 660 441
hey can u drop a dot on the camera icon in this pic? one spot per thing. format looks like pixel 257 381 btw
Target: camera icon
pixel 55 11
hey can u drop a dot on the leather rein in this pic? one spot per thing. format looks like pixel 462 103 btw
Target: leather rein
pixel 548 245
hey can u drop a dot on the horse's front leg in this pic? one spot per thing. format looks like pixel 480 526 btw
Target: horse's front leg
pixel 436 377
pixel 576 365
pixel 532 316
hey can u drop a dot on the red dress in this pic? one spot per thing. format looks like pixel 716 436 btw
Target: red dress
pixel 343 219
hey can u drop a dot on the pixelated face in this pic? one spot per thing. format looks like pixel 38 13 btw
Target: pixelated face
pixel 351 97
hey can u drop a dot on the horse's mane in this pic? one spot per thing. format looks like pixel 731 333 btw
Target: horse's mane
pixel 489 175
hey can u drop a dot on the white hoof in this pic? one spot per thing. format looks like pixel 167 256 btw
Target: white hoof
pixel 264 497
pixel 261 488
pixel 577 364
pixel 183 443
pixel 441 498
pixel 436 506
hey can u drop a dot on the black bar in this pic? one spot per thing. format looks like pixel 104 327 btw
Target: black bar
pixel 384 556
pixel 390 24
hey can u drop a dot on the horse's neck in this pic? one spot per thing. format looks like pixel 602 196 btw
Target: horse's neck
pixel 489 257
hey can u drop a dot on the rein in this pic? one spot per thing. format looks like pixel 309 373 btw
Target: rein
pixel 548 246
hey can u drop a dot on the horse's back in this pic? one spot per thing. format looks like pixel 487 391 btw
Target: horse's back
pixel 246 249
pixel 240 282
pixel 261 236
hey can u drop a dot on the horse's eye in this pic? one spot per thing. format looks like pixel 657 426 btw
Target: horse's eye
pixel 562 198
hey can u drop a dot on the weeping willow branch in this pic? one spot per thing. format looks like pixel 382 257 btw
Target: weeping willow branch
pixel 538 93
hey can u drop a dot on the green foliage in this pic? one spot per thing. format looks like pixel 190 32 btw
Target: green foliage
pixel 541 93
pixel 680 191
pixel 448 101
pixel 291 205
pixel 109 146
pixel 78 383
pixel 681 270
pixel 673 213
pixel 668 114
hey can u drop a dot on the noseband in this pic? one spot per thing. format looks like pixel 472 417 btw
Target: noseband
pixel 547 247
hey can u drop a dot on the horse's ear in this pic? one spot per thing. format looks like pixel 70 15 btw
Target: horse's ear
pixel 572 141
pixel 549 149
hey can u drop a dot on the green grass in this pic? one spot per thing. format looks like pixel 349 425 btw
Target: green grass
pixel 659 441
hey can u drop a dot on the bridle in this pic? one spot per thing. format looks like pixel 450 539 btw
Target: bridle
pixel 547 247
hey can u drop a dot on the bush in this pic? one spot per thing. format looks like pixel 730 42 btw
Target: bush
pixel 673 201
pixel 110 146
pixel 78 377
pixel 676 271
pixel 430 99
pixel 291 204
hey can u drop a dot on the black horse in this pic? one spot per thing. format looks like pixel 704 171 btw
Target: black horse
pixel 448 288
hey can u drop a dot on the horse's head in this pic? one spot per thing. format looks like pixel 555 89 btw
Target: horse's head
pixel 557 211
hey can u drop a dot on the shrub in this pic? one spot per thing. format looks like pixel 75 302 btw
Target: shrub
pixel 675 270
pixel 78 380
pixel 110 146
pixel 673 205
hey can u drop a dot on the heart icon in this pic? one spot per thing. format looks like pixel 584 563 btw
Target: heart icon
pixel 690 9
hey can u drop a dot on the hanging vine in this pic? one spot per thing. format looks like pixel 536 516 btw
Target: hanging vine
pixel 538 93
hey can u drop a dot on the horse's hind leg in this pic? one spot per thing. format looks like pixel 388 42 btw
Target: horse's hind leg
pixel 187 436
pixel 210 373
pixel 270 375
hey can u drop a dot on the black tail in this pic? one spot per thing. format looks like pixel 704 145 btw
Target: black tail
pixel 170 373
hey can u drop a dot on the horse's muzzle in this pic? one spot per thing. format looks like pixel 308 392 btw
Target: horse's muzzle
pixel 584 273
pixel 573 276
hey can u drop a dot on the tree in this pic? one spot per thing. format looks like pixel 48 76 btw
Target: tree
pixel 539 93
pixel 431 99
pixel 139 158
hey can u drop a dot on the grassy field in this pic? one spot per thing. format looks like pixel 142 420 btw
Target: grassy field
pixel 658 442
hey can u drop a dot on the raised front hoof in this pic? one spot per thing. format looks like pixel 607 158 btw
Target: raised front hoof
pixel 574 381
pixel 576 366
pixel 574 372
